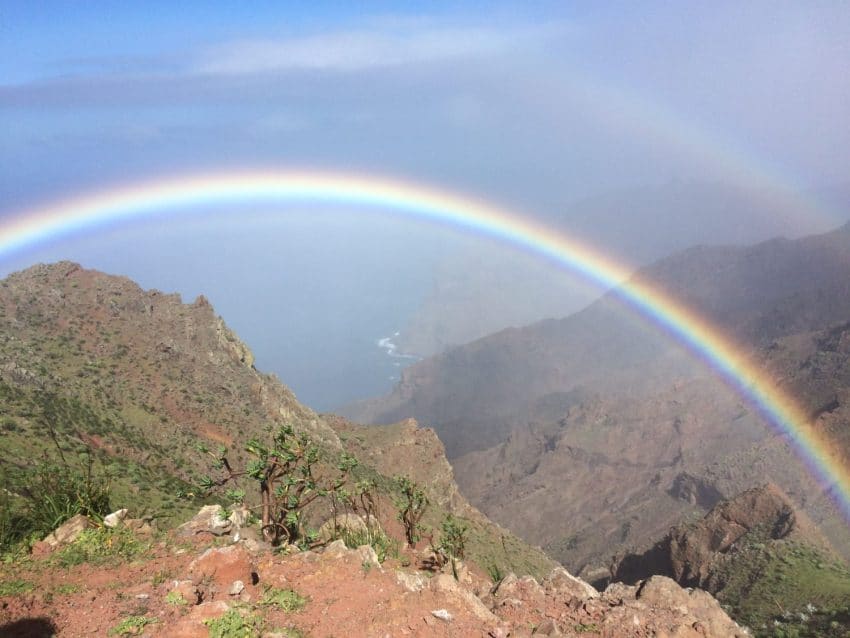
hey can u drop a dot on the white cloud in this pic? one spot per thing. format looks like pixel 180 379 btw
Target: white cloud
pixel 388 44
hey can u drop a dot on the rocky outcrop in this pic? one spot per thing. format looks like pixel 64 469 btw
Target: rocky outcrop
pixel 689 554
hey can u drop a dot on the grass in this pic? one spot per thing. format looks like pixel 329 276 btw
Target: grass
pixel 234 624
pixel 384 546
pixel 786 590
pixel 287 600
pixel 132 626
pixel 15 587
pixel 176 598
pixel 100 545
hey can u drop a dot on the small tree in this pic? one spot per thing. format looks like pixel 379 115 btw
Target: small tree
pixel 452 545
pixel 284 473
pixel 411 507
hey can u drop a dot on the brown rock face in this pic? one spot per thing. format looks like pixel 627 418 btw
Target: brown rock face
pixel 689 552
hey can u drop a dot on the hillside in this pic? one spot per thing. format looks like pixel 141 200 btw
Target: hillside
pixel 138 385
pixel 757 554
pixel 481 291
pixel 186 585
pixel 130 389
pixel 637 435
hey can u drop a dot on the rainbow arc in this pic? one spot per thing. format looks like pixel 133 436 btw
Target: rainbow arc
pixel 123 204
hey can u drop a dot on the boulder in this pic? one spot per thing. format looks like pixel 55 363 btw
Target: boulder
pixel 223 565
pixel 68 531
pixel 114 519
pixel 210 519
pixel 451 589
pixel 351 523
pixel 562 583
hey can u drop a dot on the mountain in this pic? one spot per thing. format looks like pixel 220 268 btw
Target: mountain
pixel 131 388
pixel 480 290
pixel 635 433
pixel 136 386
pixel 758 554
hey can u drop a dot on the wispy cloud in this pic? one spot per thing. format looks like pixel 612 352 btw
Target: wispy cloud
pixel 387 44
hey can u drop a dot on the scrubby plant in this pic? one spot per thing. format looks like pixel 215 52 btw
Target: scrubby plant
pixel 37 499
pixel 453 537
pixel 233 624
pixel 287 600
pixel 132 626
pixel 286 477
pixel 100 545
pixel 56 491
pixel 411 507
pixel 452 546
pixel 15 587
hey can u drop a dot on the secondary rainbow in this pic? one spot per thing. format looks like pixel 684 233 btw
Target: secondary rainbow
pixel 77 215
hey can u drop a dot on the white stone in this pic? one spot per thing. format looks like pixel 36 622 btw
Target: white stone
pixel 114 519
pixel 442 614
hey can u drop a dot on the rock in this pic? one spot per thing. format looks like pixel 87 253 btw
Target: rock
pixel 222 566
pixel 336 549
pixel 351 523
pixel 411 581
pixel 239 516
pixel 140 526
pixel 661 591
pixel 114 520
pixel 187 590
pixel 368 556
pixel 620 592
pixel 442 614
pixel 448 586
pixel 210 519
pixel 68 531
pixel 696 608
pixel 236 588
pixel 547 628
pixel 192 625
pixel 562 582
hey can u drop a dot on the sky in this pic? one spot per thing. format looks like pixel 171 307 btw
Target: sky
pixel 548 108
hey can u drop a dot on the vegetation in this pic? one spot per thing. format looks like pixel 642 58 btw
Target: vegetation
pixel 287 481
pixel 100 545
pixel 411 507
pixel 235 623
pixel 15 587
pixel 287 600
pixel 132 626
pixel 786 589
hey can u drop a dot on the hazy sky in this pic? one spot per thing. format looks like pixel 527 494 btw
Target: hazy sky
pixel 535 105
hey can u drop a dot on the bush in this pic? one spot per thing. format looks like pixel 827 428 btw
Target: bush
pixel 411 507
pixel 284 473
pixel 40 498
pixel 100 545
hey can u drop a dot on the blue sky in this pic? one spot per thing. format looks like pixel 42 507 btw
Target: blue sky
pixel 537 106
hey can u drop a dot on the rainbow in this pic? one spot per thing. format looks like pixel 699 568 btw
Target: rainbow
pixel 72 216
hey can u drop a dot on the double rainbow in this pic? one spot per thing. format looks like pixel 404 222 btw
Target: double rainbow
pixel 780 411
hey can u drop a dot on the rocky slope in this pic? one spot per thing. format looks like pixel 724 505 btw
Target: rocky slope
pixel 753 552
pixel 183 585
pixel 634 433
pixel 95 368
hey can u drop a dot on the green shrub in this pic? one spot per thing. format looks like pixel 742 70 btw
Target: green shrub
pixel 100 545
pixel 283 472
pixel 287 600
pixel 15 587
pixel 132 626
pixel 411 507
pixel 233 624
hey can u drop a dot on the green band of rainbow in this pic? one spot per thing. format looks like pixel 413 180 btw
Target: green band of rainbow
pixel 780 411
